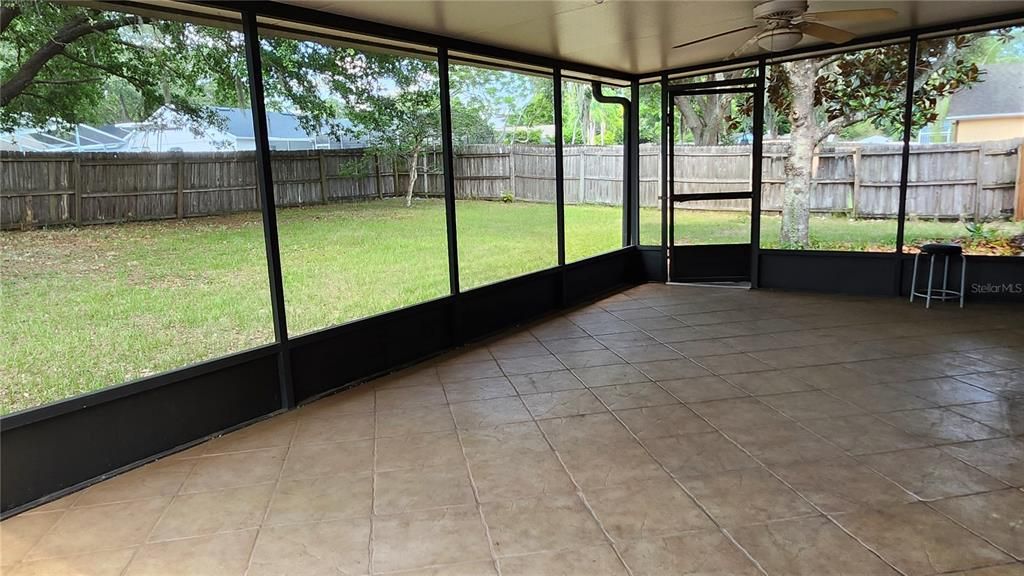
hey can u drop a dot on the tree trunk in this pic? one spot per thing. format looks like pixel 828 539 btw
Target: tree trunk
pixel 796 192
pixel 413 174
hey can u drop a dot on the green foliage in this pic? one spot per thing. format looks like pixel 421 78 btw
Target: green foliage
pixel 977 230
pixel 508 197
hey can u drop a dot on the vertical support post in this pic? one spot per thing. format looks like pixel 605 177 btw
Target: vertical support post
pixel 855 195
pixel 581 162
pixel 627 164
pixel 670 185
pixel 666 147
pixel 756 174
pixel 180 191
pixel 448 158
pixel 556 79
pixel 323 175
pixel 634 160
pixel 979 181
pixel 78 190
pixel 265 187
pixel 1018 204
pixel 908 129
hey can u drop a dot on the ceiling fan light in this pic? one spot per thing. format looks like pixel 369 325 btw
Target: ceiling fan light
pixel 779 39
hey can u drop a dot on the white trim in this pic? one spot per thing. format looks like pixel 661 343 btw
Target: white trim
pixel 985 116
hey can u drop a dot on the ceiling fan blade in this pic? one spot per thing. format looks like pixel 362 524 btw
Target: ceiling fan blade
pixel 866 15
pixel 826 33
pixel 684 44
pixel 748 47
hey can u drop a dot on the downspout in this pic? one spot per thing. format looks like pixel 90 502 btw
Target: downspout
pixel 627 171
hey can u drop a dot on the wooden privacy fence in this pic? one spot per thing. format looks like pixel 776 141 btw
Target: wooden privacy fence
pixel 945 180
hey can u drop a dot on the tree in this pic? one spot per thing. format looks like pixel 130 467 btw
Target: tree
pixel 822 96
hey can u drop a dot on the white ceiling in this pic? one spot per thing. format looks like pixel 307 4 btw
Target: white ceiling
pixel 633 36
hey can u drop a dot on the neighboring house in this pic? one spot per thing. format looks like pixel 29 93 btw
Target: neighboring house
pixel 992 109
pixel 168 131
pixel 84 138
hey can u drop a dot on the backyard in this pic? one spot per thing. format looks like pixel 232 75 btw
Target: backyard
pixel 84 308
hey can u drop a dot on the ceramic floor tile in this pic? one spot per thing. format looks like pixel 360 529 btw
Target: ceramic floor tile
pixel 695 455
pixel 569 345
pixel 103 527
pixel 610 375
pixel 646 510
pixel 504 441
pixel 589 358
pixel 317 499
pixel 333 547
pixel 510 350
pixel 1002 458
pixel 398 398
pixel 353 401
pixel 19 534
pixel 880 398
pixel 1007 383
pixel 748 496
pixel 671 369
pixel 701 389
pixel 597 465
pixel 842 485
pixel 469 371
pixel 161 478
pixel 546 382
pixel 415 376
pixel 540 525
pixel 561 404
pixel 626 339
pixel 1003 570
pixel 940 426
pixel 236 469
pixel 919 541
pixel 482 389
pixel 738 413
pixel 783 443
pixel 530 365
pixel 408 489
pixel 521 475
pixel 337 429
pixel 661 421
pixel 493 412
pixel 809 405
pixel 703 553
pixel 1004 415
pixel 213 512
pixel 996 516
pixel 863 434
pixel 767 382
pixel 809 547
pixel 272 433
pixel 432 449
pixel 625 396
pixel 946 391
pixel 931 474
pixel 106 563
pixel 414 421
pixel 217 555
pixel 590 429
pixel 592 561
pixel 428 538
pixel 312 460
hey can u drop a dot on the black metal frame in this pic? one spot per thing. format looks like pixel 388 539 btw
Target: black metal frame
pixel 57 448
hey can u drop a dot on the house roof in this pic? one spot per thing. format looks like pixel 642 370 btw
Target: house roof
pixel 279 124
pixel 1000 93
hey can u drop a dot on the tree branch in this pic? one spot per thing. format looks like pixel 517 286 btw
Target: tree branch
pixel 107 69
pixel 75 29
pixel 70 81
pixel 7 15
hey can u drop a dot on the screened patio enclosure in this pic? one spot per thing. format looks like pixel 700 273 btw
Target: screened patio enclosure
pixel 479 203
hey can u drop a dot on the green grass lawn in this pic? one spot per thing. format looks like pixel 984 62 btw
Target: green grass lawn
pixel 85 308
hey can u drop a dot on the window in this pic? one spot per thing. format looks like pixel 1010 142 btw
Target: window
pixel 503 132
pixel 594 158
pixel 833 151
pixel 133 241
pixel 650 164
pixel 966 145
pixel 361 213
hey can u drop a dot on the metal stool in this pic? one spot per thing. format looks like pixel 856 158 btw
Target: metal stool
pixel 946 250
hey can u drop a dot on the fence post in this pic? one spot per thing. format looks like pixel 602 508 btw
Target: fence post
pixel 1018 205
pixel 180 191
pixel 78 189
pixel 377 178
pixel 979 179
pixel 581 194
pixel 855 195
pixel 323 175
pixel 512 169
pixel 394 175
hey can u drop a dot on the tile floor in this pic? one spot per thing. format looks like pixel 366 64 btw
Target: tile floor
pixel 665 430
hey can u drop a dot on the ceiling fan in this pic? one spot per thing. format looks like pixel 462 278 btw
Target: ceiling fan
pixel 782 24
